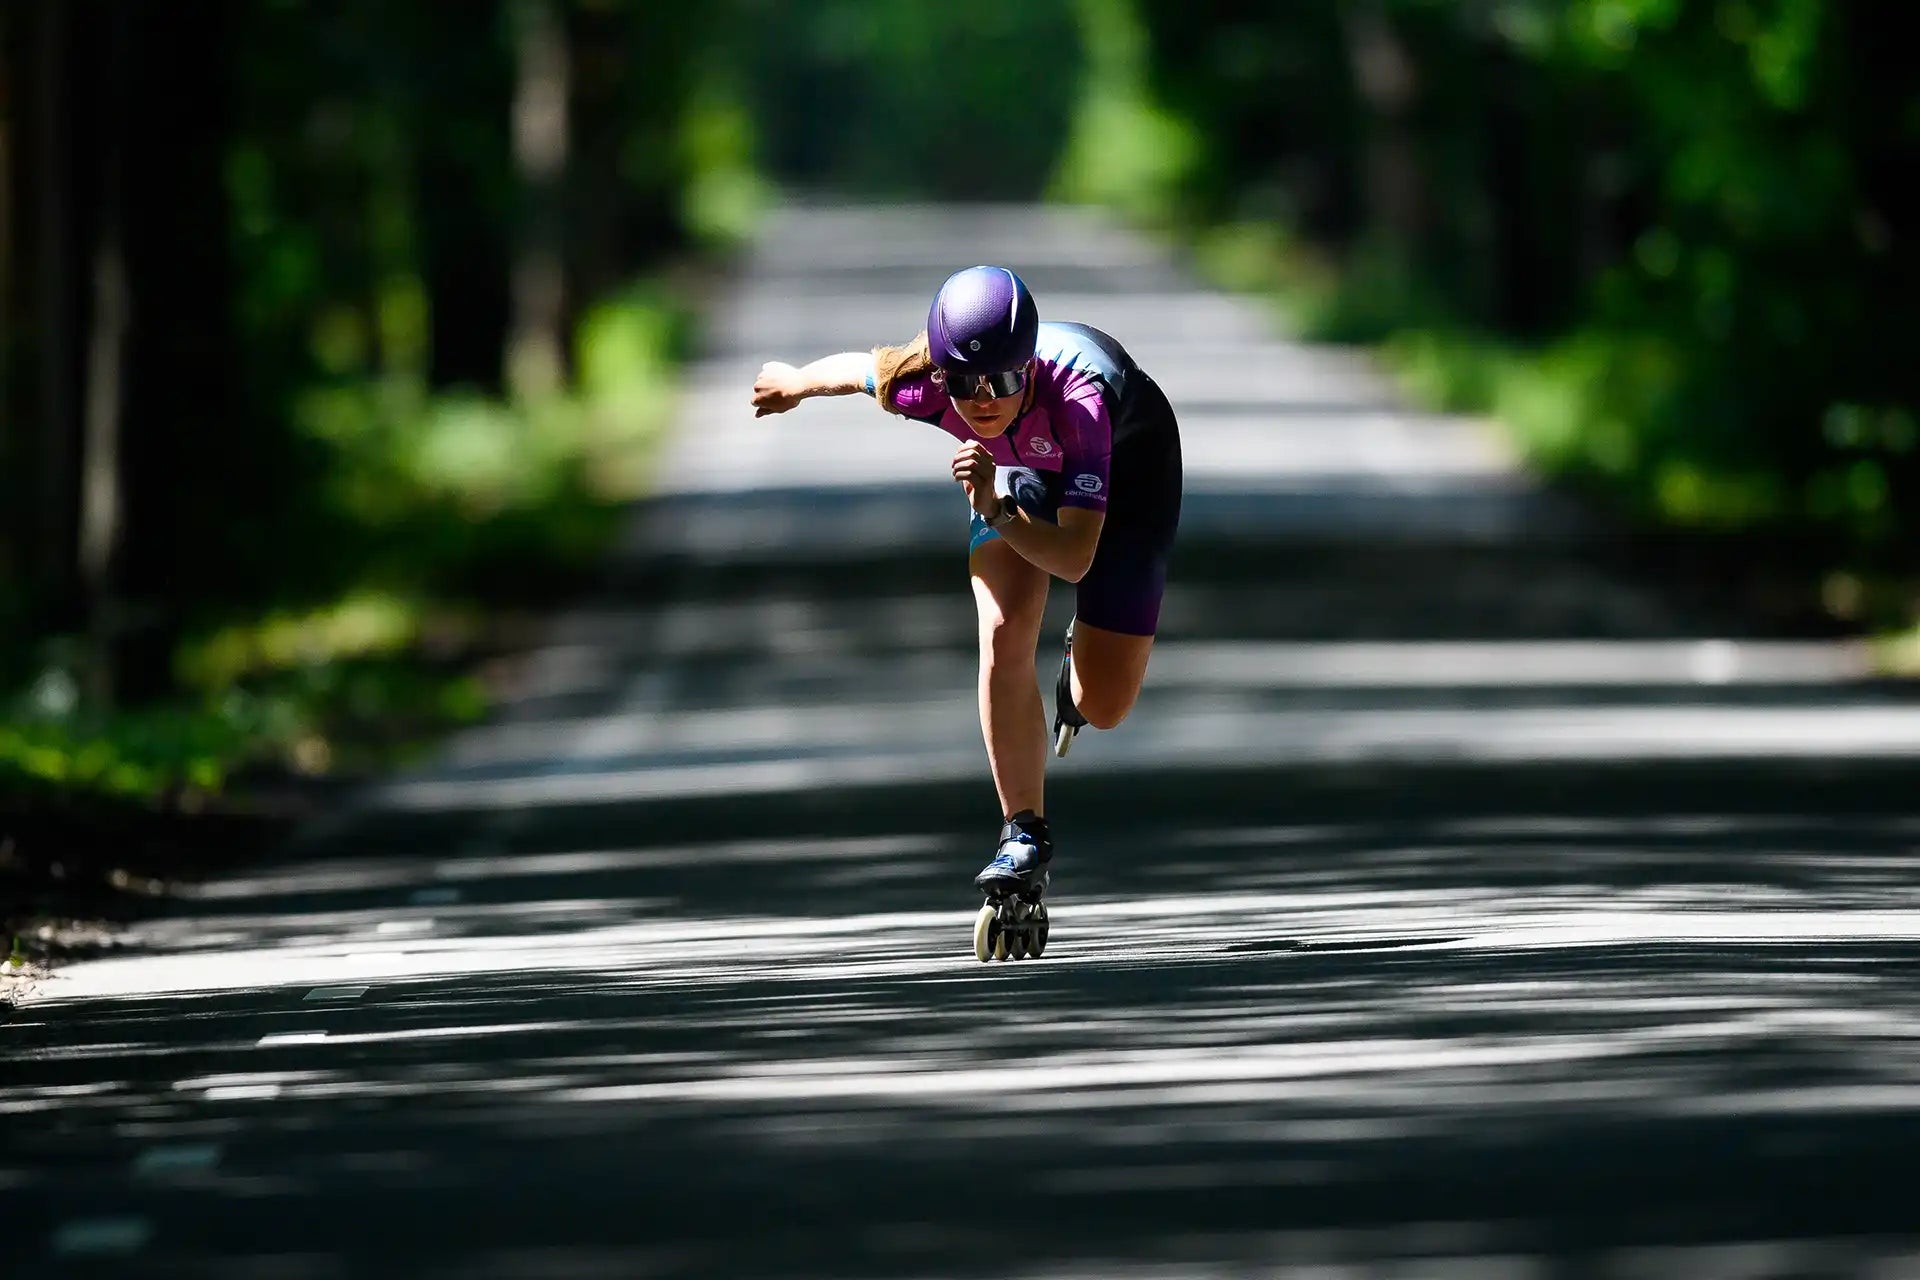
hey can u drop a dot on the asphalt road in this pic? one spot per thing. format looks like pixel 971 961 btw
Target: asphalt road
pixel 1459 901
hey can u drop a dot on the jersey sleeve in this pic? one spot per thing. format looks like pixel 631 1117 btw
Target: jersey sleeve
pixel 919 398
pixel 1085 432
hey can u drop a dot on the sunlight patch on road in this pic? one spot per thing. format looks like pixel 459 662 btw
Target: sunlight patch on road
pixel 1507 664
pixel 1171 734
pixel 1026 1085
pixel 1166 929
pixel 327 876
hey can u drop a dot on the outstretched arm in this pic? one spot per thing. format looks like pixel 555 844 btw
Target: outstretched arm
pixel 782 386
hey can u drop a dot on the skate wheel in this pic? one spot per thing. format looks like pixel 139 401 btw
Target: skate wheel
pixel 1022 943
pixel 1001 947
pixel 1062 739
pixel 986 931
pixel 1037 946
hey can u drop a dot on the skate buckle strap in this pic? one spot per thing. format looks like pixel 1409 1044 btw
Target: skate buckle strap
pixel 1014 846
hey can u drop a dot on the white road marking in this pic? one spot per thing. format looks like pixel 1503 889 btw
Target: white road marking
pixel 335 993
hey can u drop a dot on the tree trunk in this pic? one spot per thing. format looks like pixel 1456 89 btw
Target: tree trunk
pixel 536 343
pixel 1388 83
pixel 179 513
pixel 12 565
pixel 104 392
pixel 598 259
pixel 49 149
pixel 465 151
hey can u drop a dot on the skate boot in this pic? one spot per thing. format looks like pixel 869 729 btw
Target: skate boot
pixel 1013 923
pixel 1067 719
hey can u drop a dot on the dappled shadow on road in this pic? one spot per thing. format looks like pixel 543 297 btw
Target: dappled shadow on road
pixel 1397 1107
pixel 1314 1000
pixel 1603 828
pixel 1530 1021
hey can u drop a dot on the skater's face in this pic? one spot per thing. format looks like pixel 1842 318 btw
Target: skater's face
pixel 986 414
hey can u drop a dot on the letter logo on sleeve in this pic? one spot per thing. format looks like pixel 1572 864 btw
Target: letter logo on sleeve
pixel 1087 484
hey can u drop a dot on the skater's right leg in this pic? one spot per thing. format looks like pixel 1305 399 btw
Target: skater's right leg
pixel 1011 595
pixel 1106 673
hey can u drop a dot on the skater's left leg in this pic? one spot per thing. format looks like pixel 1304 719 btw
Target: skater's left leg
pixel 1107 671
pixel 1010 596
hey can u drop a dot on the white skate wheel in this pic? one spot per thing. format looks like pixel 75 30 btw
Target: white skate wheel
pixel 984 934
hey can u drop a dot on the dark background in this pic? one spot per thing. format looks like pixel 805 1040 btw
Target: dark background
pixel 333 332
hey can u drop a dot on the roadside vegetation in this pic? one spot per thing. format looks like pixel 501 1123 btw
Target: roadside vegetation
pixel 390 391
pixel 396 328
pixel 1659 242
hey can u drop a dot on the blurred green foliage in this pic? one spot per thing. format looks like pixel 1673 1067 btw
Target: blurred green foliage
pixel 377 209
pixel 952 102
pixel 346 687
pixel 1669 243
pixel 343 715
pixel 1123 149
pixel 364 491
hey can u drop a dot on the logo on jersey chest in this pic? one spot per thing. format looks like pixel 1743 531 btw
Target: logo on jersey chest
pixel 1040 447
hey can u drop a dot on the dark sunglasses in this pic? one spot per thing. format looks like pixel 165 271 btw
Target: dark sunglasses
pixel 968 386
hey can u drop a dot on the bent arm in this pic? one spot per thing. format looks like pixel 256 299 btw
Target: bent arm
pixel 1064 550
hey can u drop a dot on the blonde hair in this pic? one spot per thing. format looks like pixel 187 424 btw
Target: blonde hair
pixel 893 365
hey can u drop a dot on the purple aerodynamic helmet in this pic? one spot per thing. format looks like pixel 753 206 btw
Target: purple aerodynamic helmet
pixel 981 331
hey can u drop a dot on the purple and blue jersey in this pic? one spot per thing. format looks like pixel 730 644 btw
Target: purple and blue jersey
pixel 1099 435
pixel 1080 381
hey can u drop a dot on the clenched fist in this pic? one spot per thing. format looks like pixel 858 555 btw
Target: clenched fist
pixel 973 467
pixel 778 389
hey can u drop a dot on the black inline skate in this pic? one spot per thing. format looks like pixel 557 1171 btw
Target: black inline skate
pixel 1067 720
pixel 1013 924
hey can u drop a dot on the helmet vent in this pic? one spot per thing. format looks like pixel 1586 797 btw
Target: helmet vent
pixel 982 319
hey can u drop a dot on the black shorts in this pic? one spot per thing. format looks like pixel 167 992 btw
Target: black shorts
pixel 1122 588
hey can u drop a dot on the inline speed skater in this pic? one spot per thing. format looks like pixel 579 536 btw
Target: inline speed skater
pixel 1069 458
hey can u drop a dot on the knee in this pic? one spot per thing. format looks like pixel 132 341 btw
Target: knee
pixel 1007 639
pixel 1103 710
